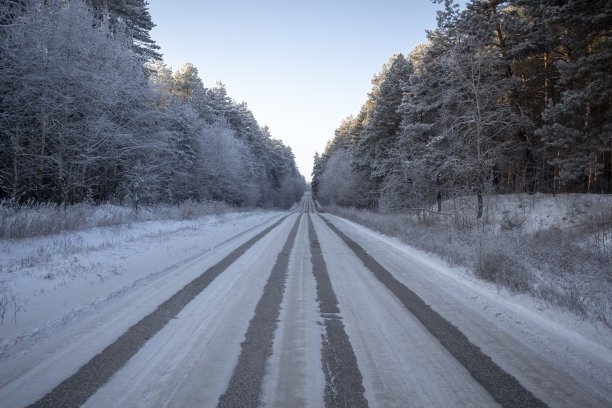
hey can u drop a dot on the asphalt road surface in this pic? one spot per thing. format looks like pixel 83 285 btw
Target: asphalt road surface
pixel 309 312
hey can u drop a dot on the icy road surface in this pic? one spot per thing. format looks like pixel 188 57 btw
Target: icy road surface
pixel 308 310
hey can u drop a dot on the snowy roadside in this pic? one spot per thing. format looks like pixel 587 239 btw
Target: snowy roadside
pixel 555 248
pixel 503 324
pixel 66 284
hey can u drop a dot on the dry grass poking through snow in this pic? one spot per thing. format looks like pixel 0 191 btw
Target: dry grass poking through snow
pixel 555 248
pixel 23 221
pixel 33 238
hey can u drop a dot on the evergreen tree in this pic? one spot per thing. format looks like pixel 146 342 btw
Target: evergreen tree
pixel 130 17
pixel 379 135
pixel 507 95
pixel 577 126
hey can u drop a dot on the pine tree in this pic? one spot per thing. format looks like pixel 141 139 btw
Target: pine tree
pixel 130 17
pixel 577 126
pixel 380 133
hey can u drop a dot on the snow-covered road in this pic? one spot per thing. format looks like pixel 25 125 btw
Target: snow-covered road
pixel 333 314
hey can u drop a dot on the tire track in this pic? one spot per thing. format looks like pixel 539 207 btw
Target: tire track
pixel 503 387
pixel 293 372
pixel 343 380
pixel 244 389
pixel 75 390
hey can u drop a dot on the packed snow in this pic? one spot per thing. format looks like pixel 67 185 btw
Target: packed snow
pixel 75 285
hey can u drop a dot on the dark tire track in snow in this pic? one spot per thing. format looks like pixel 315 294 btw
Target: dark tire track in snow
pixel 244 388
pixel 503 387
pixel 75 390
pixel 343 380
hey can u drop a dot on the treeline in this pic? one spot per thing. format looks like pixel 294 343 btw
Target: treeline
pixel 89 112
pixel 505 96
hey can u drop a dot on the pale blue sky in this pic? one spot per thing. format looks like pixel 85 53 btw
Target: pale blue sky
pixel 301 67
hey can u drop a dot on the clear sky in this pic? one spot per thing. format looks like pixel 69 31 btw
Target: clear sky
pixel 301 67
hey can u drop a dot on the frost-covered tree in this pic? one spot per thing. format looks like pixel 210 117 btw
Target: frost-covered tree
pixel 131 18
pixel 507 95
pixel 341 184
pixel 187 85
pixel 80 119
pixel 71 99
pixel 285 184
pixel 223 172
pixel 378 137
pixel 477 123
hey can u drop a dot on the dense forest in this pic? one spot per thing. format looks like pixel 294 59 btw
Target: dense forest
pixel 505 96
pixel 90 113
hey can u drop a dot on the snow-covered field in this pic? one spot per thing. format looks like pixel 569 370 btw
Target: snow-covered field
pixel 56 286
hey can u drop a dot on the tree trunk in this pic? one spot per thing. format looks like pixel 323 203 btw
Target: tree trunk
pixel 546 82
pixel 15 177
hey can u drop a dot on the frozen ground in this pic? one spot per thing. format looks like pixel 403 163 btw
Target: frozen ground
pixel 78 282
pixel 67 318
